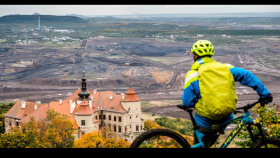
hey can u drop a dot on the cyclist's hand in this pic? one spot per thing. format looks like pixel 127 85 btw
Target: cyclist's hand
pixel 266 100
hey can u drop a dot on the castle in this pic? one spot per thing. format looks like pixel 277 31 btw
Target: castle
pixel 89 111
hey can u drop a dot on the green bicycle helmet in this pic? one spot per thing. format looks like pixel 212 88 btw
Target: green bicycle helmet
pixel 203 48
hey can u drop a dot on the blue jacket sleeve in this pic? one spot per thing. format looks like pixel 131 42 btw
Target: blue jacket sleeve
pixel 191 94
pixel 247 78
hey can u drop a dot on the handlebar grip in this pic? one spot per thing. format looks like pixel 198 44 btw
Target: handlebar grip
pixel 181 106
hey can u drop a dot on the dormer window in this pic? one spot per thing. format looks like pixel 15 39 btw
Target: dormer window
pixel 111 96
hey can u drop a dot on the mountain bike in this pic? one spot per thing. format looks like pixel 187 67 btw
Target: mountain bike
pixel 259 140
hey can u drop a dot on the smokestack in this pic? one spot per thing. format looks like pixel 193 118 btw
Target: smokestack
pixel 39 21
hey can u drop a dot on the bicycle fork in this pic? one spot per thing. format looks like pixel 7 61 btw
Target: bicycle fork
pixel 253 138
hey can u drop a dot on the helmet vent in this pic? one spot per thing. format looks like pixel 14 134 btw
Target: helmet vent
pixel 201 45
pixel 200 51
pixel 207 45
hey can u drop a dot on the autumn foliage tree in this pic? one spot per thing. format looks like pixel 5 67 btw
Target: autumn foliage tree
pixel 56 131
pixel 162 141
pixel 98 139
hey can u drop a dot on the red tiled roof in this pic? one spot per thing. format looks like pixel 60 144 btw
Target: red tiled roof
pixel 130 91
pixel 108 104
pixel 18 112
pixel 131 95
pixel 39 114
pixel 84 109
pixel 100 101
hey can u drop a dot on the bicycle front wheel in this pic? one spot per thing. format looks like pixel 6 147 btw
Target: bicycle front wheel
pixel 160 132
pixel 271 142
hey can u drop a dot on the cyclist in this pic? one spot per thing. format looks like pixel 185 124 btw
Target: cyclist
pixel 210 88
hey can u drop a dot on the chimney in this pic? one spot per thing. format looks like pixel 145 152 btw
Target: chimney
pixel 94 91
pixel 111 96
pixel 60 101
pixel 23 104
pixel 72 106
pixel 35 107
pixel 123 96
pixel 38 102
pixel 90 104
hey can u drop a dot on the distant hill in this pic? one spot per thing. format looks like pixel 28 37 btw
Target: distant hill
pixel 25 19
pixel 247 14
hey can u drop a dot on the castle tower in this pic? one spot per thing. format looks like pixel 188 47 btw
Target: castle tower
pixel 83 94
pixel 132 103
pixel 84 116
pixel 131 96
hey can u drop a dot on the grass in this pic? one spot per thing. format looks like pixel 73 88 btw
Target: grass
pixel 3 40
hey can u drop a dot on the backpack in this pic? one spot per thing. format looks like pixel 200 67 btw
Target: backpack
pixel 217 88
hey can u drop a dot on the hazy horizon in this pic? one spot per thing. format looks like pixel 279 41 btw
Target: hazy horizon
pixel 114 10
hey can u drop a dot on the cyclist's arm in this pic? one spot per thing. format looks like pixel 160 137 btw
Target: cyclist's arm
pixel 247 78
pixel 191 89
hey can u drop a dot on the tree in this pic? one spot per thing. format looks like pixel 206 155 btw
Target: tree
pixel 162 141
pixel 269 118
pixel 59 131
pixel 56 131
pixel 97 139
pixel 4 107
pixel 149 124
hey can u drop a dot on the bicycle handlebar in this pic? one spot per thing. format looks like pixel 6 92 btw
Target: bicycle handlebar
pixel 245 108
pixel 183 107
pixel 248 106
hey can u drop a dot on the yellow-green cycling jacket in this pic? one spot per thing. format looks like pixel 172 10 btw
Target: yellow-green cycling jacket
pixel 192 90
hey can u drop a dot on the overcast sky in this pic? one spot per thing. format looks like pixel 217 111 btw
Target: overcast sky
pixel 132 9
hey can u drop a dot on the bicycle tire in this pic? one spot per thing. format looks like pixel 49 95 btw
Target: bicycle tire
pixel 269 140
pixel 160 132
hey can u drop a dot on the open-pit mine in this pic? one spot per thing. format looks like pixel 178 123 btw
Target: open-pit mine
pixel 152 56
pixel 41 73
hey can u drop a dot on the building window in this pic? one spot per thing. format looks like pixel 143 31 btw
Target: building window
pixel 120 129
pixel 120 119
pixel 83 122
pixel 115 118
pixel 115 128
pixel 137 128
pixel 109 117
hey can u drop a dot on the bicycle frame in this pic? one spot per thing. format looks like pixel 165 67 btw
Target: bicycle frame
pixel 242 121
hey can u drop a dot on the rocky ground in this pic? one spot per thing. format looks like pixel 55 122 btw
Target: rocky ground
pixel 51 72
